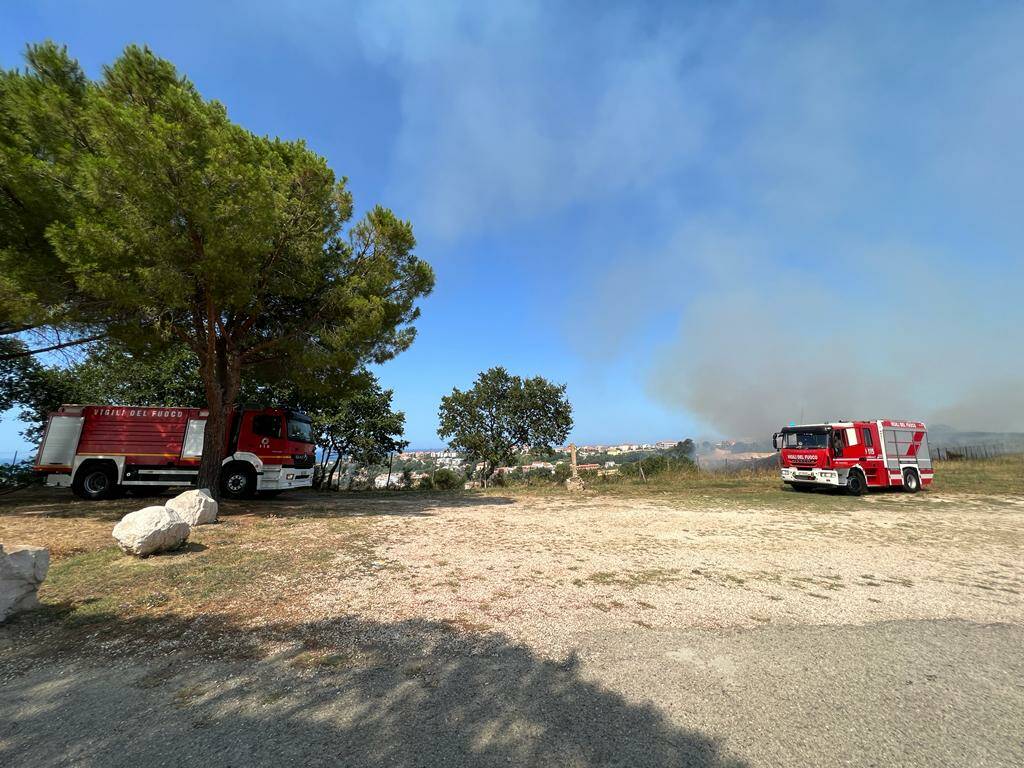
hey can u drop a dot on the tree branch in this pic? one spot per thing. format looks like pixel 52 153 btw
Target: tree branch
pixel 52 347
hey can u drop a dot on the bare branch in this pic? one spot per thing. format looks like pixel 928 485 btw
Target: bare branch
pixel 53 347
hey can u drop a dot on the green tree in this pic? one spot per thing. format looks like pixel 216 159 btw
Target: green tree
pixel 364 428
pixel 161 222
pixel 683 448
pixel 502 414
pixel 41 116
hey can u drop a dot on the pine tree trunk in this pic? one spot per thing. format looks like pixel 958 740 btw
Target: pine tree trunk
pixel 221 372
pixel 214 440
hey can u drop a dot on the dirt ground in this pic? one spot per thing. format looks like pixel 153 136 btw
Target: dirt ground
pixel 651 629
pixel 544 570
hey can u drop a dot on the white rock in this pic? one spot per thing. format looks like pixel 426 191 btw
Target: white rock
pixel 22 570
pixel 149 530
pixel 195 507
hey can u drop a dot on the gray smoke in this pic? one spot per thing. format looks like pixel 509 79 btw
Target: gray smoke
pixel 877 268
pixel 746 364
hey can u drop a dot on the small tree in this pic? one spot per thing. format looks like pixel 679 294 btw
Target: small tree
pixel 684 449
pixel 502 414
pixel 364 428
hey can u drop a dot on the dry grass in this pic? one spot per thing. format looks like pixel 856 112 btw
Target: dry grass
pixel 256 564
pixel 542 565
pixel 998 477
pixel 1001 475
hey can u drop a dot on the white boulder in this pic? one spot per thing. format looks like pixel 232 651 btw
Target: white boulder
pixel 149 530
pixel 22 570
pixel 195 507
pixel 575 484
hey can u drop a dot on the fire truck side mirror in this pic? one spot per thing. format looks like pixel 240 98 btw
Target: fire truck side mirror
pixel 775 441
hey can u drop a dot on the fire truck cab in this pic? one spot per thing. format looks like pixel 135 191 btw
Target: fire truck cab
pixel 855 455
pixel 98 450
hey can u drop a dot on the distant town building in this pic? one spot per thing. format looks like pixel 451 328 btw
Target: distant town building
pixel 448 459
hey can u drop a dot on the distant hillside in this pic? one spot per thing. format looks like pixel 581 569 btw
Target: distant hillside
pixel 942 435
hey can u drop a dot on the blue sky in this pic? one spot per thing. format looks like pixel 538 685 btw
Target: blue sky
pixel 704 218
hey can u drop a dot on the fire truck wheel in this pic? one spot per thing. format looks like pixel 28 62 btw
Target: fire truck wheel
pixel 238 481
pixel 95 481
pixel 911 482
pixel 855 485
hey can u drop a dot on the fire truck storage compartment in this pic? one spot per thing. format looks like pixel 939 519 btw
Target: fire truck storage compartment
pixel 901 448
pixel 61 441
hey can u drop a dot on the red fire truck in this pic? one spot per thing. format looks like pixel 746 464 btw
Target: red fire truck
pixel 99 449
pixel 855 455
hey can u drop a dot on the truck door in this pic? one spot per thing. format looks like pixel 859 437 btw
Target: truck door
pixel 874 467
pixel 263 433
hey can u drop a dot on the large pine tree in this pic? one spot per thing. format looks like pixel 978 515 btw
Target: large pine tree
pixel 132 209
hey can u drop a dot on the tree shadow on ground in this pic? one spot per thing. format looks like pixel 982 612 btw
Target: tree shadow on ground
pixel 60 503
pixel 344 691
pixel 361 504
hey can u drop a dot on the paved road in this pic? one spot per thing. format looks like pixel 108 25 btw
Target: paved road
pixel 935 693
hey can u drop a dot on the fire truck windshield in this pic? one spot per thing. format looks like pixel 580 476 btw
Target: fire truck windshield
pixel 805 440
pixel 301 431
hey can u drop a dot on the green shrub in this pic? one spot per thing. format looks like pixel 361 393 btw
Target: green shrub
pixel 447 480
pixel 13 475
pixel 656 465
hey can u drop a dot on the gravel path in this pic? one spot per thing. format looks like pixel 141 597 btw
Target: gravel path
pixel 937 693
